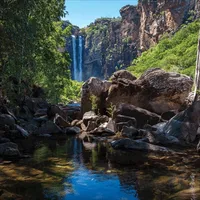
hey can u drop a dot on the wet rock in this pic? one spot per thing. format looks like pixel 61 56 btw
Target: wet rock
pixel 156 90
pixel 89 116
pixel 122 74
pixel 128 144
pixel 9 149
pixel 49 128
pixel 72 130
pixel 130 132
pixel 6 119
pixel 142 116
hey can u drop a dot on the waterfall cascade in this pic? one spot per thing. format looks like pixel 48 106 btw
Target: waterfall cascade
pixel 80 58
pixel 74 57
pixel 77 58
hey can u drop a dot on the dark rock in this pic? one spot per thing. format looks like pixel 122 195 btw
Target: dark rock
pixel 9 149
pixel 100 131
pixel 128 144
pixel 60 121
pixel 49 128
pixel 72 130
pixel 4 140
pixel 185 124
pixel 124 118
pixel 41 112
pixel 22 131
pixel 120 125
pixel 6 119
pixel 142 116
pixel 35 104
pixel 54 110
pixel 168 115
pixel 130 132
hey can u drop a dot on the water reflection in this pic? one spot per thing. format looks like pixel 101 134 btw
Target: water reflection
pixel 87 182
pixel 65 170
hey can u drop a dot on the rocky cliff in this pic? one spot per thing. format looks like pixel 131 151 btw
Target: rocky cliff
pixel 112 43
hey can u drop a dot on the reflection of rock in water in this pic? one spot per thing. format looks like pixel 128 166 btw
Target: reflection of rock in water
pixel 192 187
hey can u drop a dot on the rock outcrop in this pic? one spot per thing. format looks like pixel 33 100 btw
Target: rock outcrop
pixel 156 90
pixel 112 43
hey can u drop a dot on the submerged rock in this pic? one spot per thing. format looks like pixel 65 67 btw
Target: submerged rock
pixel 128 144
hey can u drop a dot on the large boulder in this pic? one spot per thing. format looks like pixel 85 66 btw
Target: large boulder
pixel 156 90
pixel 141 116
pixel 96 88
pixel 185 124
pixel 122 74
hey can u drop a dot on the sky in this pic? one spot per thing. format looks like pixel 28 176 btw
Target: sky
pixel 83 12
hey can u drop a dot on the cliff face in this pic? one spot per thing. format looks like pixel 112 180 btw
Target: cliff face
pixel 112 44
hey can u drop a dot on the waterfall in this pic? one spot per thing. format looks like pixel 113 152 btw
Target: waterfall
pixel 80 58
pixel 74 57
pixel 77 58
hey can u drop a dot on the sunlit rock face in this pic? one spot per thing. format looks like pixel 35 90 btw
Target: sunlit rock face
pixel 112 44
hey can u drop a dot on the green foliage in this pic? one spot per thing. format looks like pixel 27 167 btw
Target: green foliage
pixel 32 41
pixel 111 109
pixel 94 100
pixel 127 40
pixel 175 53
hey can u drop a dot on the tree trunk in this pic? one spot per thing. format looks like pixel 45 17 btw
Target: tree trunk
pixel 197 72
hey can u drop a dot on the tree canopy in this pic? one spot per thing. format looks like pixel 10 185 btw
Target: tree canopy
pixel 32 41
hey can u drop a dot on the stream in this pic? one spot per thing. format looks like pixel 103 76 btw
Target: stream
pixel 66 170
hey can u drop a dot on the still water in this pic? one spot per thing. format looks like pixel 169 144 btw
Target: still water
pixel 66 170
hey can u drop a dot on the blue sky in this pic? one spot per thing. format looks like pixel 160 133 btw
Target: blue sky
pixel 83 12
